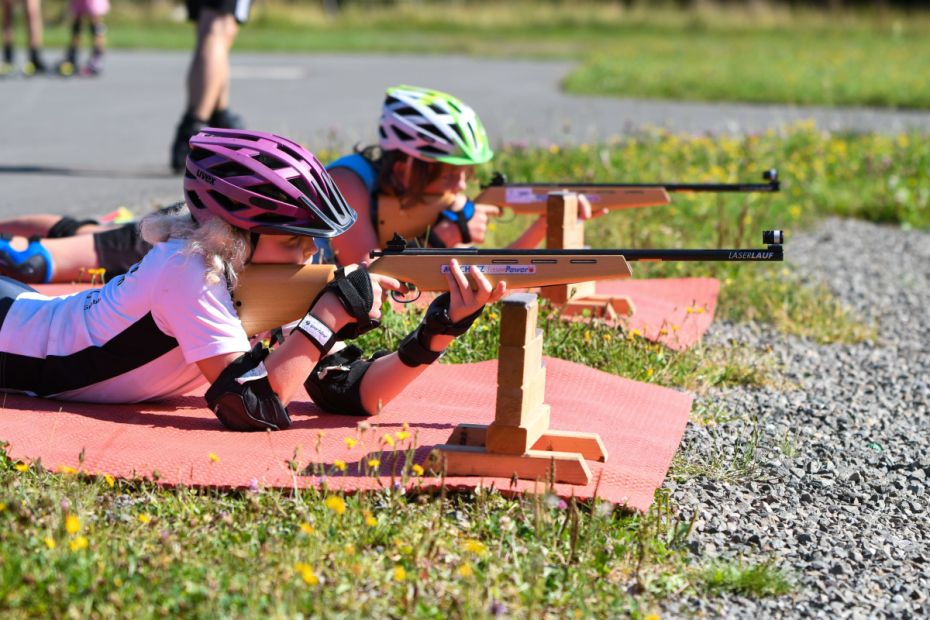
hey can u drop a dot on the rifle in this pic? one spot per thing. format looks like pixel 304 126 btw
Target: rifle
pixel 530 198
pixel 269 296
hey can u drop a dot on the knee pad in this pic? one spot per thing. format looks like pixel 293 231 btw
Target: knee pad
pixel 32 265
pixel 242 398
pixel 335 382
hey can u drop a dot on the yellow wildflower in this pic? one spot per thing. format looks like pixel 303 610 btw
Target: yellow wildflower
pixel 492 316
pixel 587 335
pixel 306 528
pixel 650 372
pixel 306 573
pixel 65 469
pixel 416 469
pixel 374 463
pixel 336 504
pixel 388 440
pixel 607 337
pixel 144 519
pixel 653 617
pixel 213 457
pixel 465 570
pixel 399 573
pixel 699 309
pixel 78 543
pixel 21 467
pixel 351 443
pixel 340 465
pixel 2 506
pixel 109 480
pixel 72 525
pixel 689 309
pixel 402 435
pixel 370 520
pixel 50 542
pixel 349 548
pixel 663 332
pixel 474 546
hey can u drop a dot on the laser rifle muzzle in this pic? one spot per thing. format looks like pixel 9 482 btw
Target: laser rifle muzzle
pixel 773 237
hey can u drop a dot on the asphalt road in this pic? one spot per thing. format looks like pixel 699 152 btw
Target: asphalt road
pixel 86 146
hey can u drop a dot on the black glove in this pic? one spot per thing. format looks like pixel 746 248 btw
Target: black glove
pixel 414 349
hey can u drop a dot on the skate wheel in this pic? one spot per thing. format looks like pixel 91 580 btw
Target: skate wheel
pixel 66 69
pixel 29 69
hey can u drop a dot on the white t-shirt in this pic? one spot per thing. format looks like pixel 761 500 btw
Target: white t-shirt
pixel 135 339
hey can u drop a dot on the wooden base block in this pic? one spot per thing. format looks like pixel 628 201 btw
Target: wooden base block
pixel 519 313
pixel 455 460
pixel 515 405
pixel 517 365
pixel 505 439
pixel 605 307
pixel 562 294
pixel 588 445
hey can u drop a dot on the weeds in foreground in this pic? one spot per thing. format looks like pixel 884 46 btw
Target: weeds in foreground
pixel 731 459
pixel 71 544
pixel 747 579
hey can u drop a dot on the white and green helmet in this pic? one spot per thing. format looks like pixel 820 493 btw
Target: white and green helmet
pixel 432 126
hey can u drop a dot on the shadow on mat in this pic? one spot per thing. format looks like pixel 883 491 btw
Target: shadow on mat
pixel 103 173
pixel 164 414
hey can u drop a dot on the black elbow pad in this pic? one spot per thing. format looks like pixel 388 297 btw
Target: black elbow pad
pixel 242 398
pixel 335 382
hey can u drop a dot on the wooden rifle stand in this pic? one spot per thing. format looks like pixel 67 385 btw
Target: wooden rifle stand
pixel 519 443
pixel 564 231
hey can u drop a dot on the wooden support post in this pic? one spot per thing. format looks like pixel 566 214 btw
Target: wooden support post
pixel 519 441
pixel 564 231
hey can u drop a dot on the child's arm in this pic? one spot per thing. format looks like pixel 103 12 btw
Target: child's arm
pixel 345 383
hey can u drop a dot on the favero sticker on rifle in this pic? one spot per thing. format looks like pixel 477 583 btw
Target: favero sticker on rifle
pixel 522 195
pixel 496 270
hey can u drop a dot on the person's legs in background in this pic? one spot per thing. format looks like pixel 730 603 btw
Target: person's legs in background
pixel 208 76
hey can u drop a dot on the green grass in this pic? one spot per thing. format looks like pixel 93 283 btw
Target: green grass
pixel 136 549
pixel 762 579
pixel 763 53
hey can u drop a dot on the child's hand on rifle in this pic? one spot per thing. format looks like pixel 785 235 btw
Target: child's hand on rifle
pixel 469 293
pixel 586 211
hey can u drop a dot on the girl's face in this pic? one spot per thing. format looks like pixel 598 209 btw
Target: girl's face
pixel 440 178
pixel 447 178
pixel 284 249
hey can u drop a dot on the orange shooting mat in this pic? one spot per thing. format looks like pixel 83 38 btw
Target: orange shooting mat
pixel 674 311
pixel 181 442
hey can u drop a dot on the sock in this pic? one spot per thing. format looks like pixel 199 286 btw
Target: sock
pixel 8 53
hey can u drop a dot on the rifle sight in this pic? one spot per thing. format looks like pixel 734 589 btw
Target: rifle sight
pixel 773 237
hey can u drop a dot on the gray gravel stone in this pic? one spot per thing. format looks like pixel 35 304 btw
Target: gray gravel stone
pixel 839 467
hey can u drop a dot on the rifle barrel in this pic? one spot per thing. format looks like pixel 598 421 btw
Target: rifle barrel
pixel 772 184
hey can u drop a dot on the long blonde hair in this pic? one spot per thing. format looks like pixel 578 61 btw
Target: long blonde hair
pixel 224 249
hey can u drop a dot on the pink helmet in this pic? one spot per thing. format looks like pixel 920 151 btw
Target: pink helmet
pixel 263 183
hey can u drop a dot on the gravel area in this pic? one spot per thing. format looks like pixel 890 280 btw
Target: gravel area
pixel 836 491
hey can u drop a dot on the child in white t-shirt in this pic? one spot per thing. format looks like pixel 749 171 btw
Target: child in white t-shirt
pixel 169 325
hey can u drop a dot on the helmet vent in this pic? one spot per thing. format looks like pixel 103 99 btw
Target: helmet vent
pixel 407 111
pixel 199 154
pixel 195 200
pixel 225 202
pixel 272 162
pixel 268 190
pixel 431 150
pixel 438 110
pixel 272 218
pixel 403 135
pixel 230 169
pixel 304 187
pixel 263 203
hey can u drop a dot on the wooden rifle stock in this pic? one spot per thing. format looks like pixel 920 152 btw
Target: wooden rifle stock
pixel 269 296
